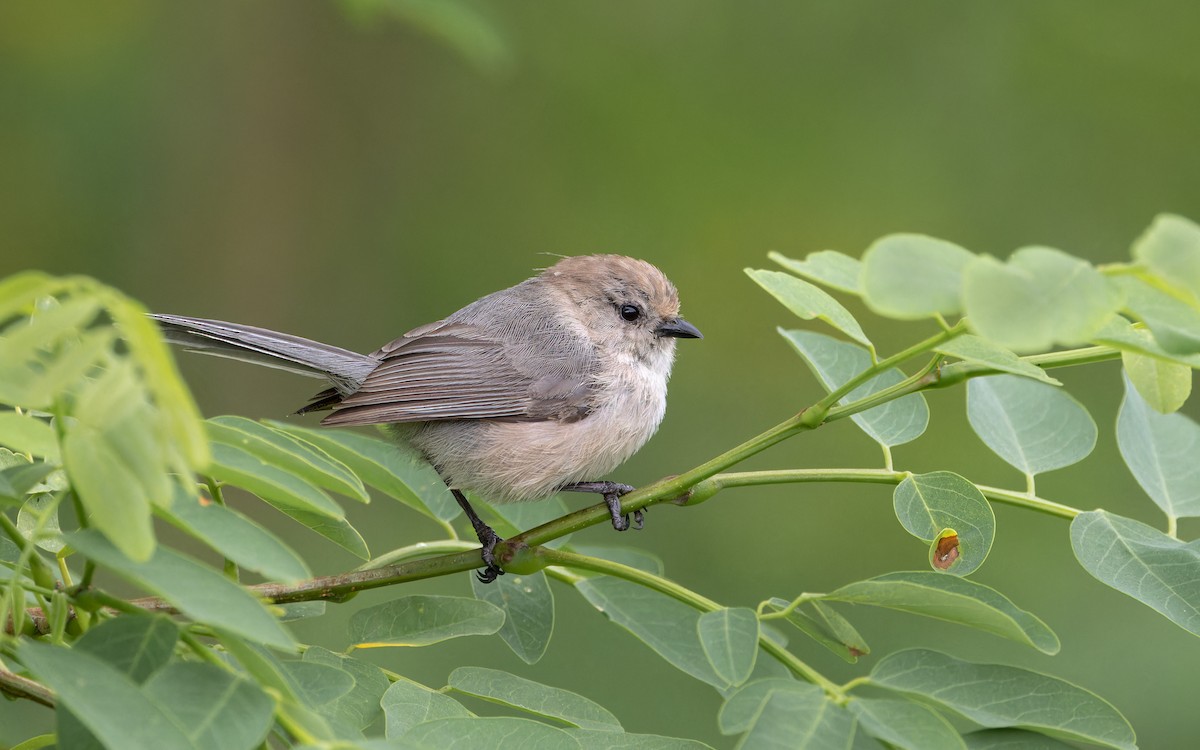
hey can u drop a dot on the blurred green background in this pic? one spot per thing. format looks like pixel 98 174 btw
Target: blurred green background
pixel 343 174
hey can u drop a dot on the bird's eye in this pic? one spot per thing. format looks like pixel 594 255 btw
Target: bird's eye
pixel 631 312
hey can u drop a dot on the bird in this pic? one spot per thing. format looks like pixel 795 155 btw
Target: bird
pixel 542 387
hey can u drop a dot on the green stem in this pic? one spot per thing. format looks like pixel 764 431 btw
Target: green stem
pixel 688 597
pixel 884 365
pixel 880 476
pixel 218 497
pixel 416 550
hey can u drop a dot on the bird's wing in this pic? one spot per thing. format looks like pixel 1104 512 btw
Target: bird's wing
pixel 447 371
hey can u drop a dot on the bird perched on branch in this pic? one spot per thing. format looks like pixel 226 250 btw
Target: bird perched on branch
pixel 544 386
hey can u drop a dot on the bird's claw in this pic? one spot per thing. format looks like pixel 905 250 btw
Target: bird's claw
pixel 491 570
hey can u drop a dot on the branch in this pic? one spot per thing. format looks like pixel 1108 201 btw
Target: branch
pixel 15 686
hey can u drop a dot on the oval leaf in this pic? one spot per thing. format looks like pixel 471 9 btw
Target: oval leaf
pixel 220 710
pixel 729 637
pixel 236 537
pixel 1157 570
pixel 528 605
pixel 929 504
pixel 27 434
pixel 666 625
pixel 842 640
pixel 1160 451
pixel 526 695
pixel 1033 426
pixel 905 724
pixel 1174 322
pixel 391 468
pixel 997 695
pixel 103 699
pixel 136 645
pixel 235 463
pixel 490 733
pixel 829 267
pixel 1039 298
pixel 1171 249
pixel 1164 385
pixel 809 302
pixel 911 276
pixel 359 707
pixel 953 600
pixel 407 704
pixel 289 452
pixel 980 351
pixel 778 713
pixel 836 362
pixel 1012 739
pixel 197 591
pixel 422 620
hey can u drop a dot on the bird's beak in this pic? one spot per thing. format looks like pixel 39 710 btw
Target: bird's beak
pixel 679 328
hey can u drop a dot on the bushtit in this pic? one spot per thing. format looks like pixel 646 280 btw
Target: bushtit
pixel 541 387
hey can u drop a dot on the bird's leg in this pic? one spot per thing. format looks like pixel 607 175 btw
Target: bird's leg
pixel 612 492
pixel 487 538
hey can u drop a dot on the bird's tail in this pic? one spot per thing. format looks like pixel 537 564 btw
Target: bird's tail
pixel 344 368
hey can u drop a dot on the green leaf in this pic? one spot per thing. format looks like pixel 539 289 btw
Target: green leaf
pixel 1032 426
pixel 421 620
pixel 178 413
pixel 594 739
pixel 911 276
pixel 360 706
pixel 1039 298
pixel 905 725
pixel 1174 322
pixel 1012 739
pixel 1164 385
pixel 1171 249
pixel 76 358
pixel 236 537
pixel 407 704
pixel 27 434
pixel 197 591
pixel 48 324
pixel 489 733
pixel 997 695
pixel 666 625
pixel 20 477
pixel 979 351
pixel 337 530
pixel 845 642
pixel 809 302
pixel 246 464
pixel 528 606
pixel 729 637
pixel 103 699
pixel 1160 451
pixel 829 267
pixel 1119 333
pixel 953 600
pixel 780 713
pixel 395 470
pixel 287 451
pixel 1159 571
pixel 22 290
pixel 136 645
pixel 929 504
pixel 318 686
pixel 526 695
pixel 113 495
pixel 219 710
pixel 836 362
pixel 29 518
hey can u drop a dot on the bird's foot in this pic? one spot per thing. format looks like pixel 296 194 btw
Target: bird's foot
pixel 612 492
pixel 491 571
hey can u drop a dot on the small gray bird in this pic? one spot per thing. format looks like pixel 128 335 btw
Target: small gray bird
pixel 541 387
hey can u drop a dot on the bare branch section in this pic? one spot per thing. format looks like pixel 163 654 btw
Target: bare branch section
pixel 16 686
